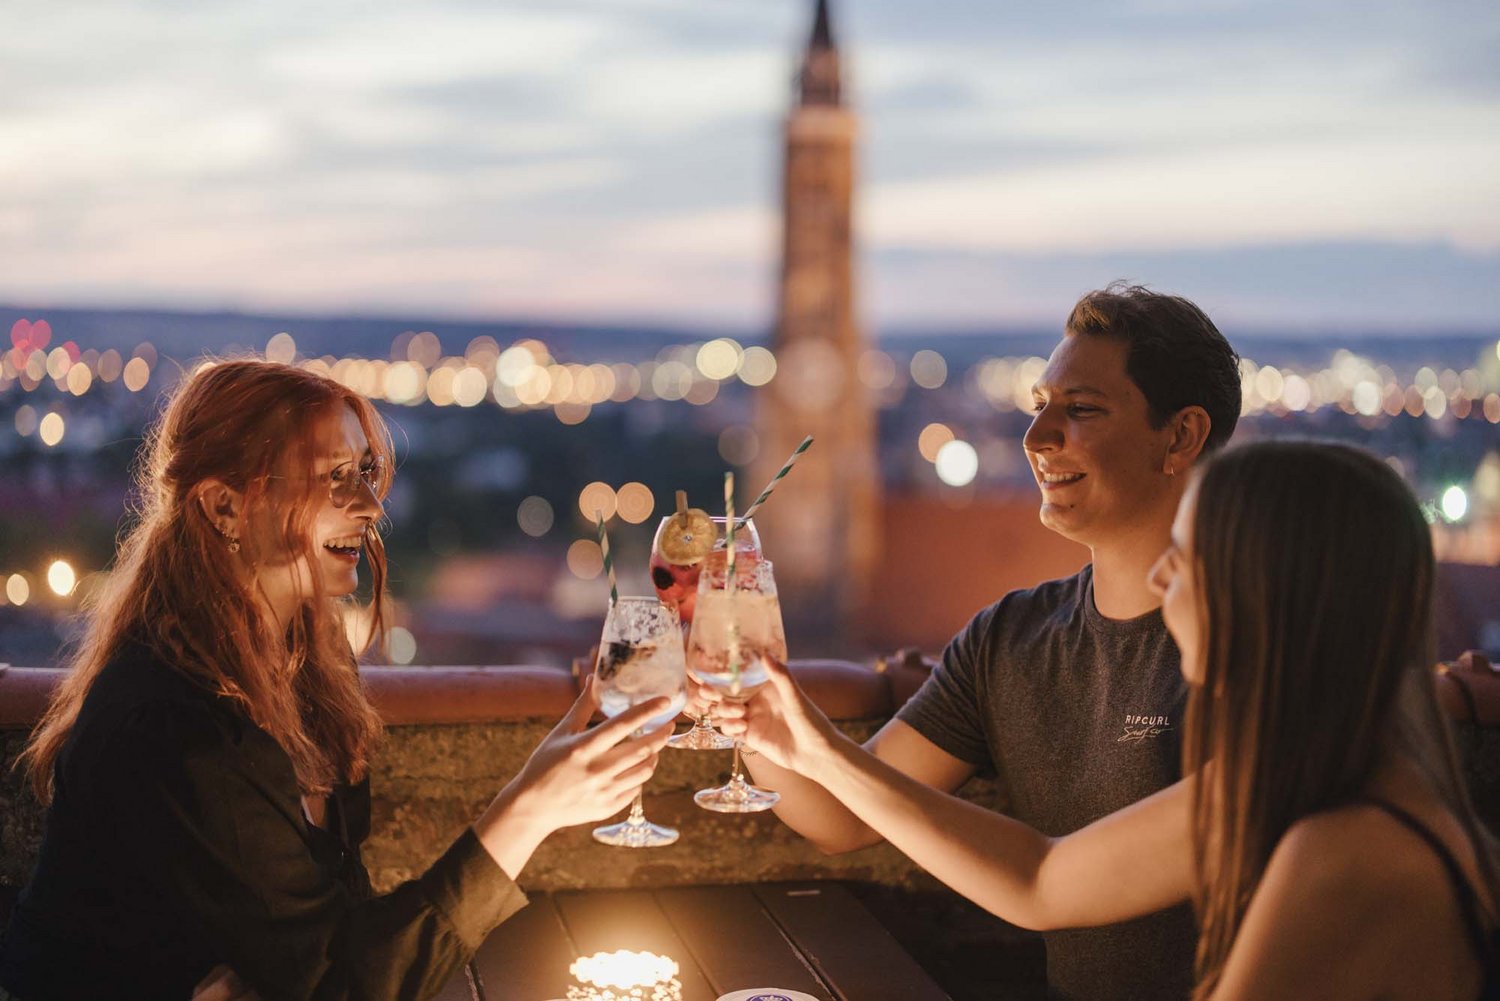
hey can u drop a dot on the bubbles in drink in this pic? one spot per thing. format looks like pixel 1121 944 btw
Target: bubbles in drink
pixel 757 617
pixel 629 674
pixel 745 683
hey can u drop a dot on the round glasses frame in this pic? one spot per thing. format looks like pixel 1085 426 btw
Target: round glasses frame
pixel 344 480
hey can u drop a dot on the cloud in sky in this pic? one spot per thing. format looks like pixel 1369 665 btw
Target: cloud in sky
pixel 1298 162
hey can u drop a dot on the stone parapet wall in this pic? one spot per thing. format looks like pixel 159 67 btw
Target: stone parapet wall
pixel 455 736
pixel 20 815
pixel 432 780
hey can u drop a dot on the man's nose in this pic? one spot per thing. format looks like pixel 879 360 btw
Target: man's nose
pixel 1045 432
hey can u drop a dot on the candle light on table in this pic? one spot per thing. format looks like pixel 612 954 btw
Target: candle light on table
pixel 625 976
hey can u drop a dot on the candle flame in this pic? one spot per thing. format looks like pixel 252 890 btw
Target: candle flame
pixel 623 968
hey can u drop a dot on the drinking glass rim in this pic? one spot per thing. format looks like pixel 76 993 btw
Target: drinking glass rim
pixel 720 520
pixel 645 611
pixel 717 519
pixel 715 564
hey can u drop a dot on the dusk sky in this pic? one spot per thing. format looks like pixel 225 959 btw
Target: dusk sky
pixel 1290 164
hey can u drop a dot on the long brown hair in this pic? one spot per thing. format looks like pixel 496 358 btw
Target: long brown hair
pixel 177 589
pixel 1316 575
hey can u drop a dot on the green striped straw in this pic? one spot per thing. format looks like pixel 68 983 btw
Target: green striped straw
pixel 790 462
pixel 734 626
pixel 729 527
pixel 609 564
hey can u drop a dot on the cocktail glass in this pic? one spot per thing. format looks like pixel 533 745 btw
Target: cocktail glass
pixel 640 658
pixel 734 630
pixel 677 585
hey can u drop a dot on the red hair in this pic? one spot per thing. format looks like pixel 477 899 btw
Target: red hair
pixel 175 587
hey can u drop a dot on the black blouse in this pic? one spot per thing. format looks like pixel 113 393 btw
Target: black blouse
pixel 176 841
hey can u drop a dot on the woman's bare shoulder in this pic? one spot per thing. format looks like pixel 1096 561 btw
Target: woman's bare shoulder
pixel 1360 846
pixel 1361 859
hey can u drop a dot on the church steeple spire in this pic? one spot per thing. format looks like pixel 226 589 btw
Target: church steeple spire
pixel 822 36
pixel 828 542
pixel 819 79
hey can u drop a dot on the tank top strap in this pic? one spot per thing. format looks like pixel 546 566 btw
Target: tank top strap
pixel 1486 944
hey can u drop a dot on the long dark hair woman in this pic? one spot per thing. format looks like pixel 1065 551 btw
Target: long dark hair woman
pixel 205 762
pixel 1322 830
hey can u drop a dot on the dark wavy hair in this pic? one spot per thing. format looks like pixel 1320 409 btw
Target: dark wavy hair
pixel 1174 353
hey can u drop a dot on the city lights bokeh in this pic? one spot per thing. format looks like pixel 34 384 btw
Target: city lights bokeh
pixel 525 375
pixel 61 578
pixel 951 434
pixel 1455 503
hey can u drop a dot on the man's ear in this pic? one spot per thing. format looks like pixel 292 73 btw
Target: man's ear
pixel 222 505
pixel 1190 429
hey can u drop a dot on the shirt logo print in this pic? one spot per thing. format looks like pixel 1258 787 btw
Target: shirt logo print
pixel 1139 729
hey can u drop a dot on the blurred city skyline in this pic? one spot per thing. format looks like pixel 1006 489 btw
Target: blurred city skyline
pixel 1305 167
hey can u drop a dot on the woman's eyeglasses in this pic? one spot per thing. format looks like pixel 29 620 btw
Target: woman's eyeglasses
pixel 345 478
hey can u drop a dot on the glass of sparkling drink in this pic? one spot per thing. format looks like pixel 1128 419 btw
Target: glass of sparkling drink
pixel 677 585
pixel 737 625
pixel 640 658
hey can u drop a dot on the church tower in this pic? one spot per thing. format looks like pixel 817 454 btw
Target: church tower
pixel 822 528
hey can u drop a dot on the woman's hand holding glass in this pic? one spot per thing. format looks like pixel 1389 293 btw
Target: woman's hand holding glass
pixel 575 776
pixel 640 659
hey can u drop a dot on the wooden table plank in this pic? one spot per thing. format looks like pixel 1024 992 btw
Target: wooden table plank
pixel 527 957
pixel 846 945
pixel 735 941
pixel 812 937
pixel 607 920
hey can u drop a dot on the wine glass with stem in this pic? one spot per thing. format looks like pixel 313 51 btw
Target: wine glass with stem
pixel 640 658
pixel 677 585
pixel 736 626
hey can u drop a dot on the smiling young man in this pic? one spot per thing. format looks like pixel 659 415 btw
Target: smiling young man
pixel 1070 692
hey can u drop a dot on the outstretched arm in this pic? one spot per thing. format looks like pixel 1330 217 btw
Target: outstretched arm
pixel 1130 863
pixel 813 812
pixel 225 846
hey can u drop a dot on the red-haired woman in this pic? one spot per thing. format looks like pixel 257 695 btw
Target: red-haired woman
pixel 1322 831
pixel 206 761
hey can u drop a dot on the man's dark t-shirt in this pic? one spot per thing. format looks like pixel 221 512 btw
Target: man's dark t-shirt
pixel 1078 715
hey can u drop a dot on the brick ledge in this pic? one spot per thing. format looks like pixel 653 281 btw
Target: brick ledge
pixel 507 693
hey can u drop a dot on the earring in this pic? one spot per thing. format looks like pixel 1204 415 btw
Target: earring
pixel 232 542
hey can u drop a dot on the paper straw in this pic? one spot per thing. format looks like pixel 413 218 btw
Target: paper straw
pixel 609 564
pixel 734 630
pixel 790 462
pixel 729 531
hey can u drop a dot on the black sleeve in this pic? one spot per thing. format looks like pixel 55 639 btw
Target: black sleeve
pixel 948 709
pixel 221 834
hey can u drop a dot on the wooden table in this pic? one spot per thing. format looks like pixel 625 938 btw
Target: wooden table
pixel 813 937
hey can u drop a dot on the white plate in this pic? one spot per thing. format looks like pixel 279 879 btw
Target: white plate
pixel 767 994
